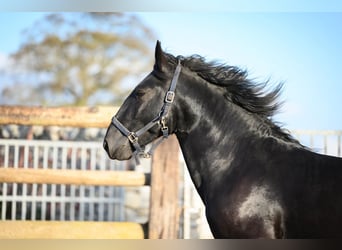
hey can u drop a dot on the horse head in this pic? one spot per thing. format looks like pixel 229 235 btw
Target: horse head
pixel 146 113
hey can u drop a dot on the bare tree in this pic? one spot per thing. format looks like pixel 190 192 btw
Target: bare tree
pixel 79 59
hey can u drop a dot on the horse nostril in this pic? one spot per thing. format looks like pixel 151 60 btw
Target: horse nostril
pixel 105 145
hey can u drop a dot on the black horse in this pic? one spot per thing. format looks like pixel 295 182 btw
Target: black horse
pixel 254 178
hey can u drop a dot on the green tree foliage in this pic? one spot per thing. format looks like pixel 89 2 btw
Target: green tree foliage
pixel 80 59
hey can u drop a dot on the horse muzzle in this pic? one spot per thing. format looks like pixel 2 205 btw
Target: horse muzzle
pixel 119 149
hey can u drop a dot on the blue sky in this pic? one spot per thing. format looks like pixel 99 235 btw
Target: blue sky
pixel 302 49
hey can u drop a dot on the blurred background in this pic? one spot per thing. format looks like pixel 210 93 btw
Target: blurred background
pixel 72 58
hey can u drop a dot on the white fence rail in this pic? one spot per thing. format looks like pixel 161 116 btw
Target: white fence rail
pixel 321 141
pixel 58 202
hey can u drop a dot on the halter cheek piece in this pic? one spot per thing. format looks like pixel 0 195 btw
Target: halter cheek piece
pixel 160 119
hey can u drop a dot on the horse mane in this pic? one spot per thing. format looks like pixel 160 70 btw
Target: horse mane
pixel 252 96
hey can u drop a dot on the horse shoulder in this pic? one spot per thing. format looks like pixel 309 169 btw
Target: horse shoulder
pixel 263 208
pixel 254 213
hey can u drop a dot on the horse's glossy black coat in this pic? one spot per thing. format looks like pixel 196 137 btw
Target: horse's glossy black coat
pixel 255 180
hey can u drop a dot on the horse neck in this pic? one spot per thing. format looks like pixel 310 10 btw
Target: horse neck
pixel 211 131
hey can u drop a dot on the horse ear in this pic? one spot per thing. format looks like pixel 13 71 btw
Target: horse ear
pixel 160 60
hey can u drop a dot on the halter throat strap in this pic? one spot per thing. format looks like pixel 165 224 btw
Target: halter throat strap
pixel 133 137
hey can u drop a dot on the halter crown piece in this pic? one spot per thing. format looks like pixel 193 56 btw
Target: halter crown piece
pixel 133 137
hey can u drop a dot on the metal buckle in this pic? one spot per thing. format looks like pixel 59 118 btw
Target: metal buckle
pixel 132 137
pixel 170 95
pixel 165 131
pixel 146 155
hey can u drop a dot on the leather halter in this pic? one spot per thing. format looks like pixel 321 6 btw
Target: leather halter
pixel 160 119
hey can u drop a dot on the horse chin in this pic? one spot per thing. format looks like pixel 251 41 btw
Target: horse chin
pixel 122 154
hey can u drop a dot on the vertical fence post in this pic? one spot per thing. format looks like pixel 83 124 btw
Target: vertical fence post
pixel 164 208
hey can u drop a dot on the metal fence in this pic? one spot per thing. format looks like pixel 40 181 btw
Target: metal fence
pixel 58 202
pixel 321 141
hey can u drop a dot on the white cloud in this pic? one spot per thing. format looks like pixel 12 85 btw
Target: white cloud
pixel 4 61
pixel 8 66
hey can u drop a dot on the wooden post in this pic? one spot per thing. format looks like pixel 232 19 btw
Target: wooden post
pixel 164 208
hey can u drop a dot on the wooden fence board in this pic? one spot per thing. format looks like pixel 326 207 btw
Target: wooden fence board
pixel 81 117
pixel 75 177
pixel 70 230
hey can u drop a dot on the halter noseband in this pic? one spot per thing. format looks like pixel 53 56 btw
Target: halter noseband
pixel 133 137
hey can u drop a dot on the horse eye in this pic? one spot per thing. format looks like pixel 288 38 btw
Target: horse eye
pixel 139 93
